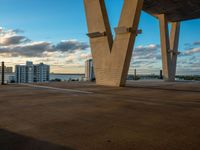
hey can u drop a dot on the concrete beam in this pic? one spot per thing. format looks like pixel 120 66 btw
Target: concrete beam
pixel 165 47
pixel 175 10
pixel 112 57
pixel 169 47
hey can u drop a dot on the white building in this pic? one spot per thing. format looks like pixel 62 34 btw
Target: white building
pixel 20 74
pixel 30 73
pixel 89 70
pixel 8 78
pixel 41 73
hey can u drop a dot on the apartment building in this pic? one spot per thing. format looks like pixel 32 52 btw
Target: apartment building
pixel 30 73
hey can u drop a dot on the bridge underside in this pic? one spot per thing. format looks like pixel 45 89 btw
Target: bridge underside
pixel 112 57
pixel 175 10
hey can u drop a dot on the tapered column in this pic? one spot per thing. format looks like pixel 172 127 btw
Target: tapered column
pixel 169 47
pixel 112 57
pixel 174 42
pixel 165 47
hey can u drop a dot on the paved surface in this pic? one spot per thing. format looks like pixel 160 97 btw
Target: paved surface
pixel 142 116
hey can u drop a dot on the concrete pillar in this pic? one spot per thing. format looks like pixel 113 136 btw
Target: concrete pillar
pixel 174 42
pixel 112 57
pixel 169 47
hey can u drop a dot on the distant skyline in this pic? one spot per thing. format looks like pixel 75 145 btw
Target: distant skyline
pixel 54 32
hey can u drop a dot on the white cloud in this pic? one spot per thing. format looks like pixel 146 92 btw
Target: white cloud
pixel 192 51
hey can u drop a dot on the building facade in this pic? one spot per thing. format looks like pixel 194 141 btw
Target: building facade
pixel 41 73
pixel 30 73
pixel 7 69
pixel 89 70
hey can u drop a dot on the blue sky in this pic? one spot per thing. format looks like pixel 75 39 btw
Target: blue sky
pixel 63 22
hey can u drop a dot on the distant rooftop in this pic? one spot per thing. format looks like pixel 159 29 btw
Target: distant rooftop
pixel 175 10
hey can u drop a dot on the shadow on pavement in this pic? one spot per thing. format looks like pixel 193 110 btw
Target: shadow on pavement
pixel 13 141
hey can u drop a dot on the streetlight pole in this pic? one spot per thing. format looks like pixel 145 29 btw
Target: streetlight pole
pixel 2 73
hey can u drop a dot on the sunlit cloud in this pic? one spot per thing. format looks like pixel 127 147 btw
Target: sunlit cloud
pixel 65 56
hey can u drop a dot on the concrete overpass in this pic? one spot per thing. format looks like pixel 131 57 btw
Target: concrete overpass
pixel 112 56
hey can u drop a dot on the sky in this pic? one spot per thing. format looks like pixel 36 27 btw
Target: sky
pixel 54 32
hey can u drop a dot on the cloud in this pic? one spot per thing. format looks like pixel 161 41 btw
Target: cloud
pixel 18 31
pixel 189 60
pixel 35 49
pixel 146 55
pixel 15 45
pixel 151 51
pixel 191 51
pixel 38 49
pixel 86 56
pixel 146 59
pixel 11 37
pixel 71 45
pixel 64 56
pixel 68 55
pixel 189 46
pixel 196 43
pixel 13 40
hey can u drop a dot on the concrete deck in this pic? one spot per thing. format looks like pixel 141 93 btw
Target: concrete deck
pixel 150 115
pixel 175 10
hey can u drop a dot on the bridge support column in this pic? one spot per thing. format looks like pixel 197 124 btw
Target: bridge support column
pixel 169 47
pixel 112 58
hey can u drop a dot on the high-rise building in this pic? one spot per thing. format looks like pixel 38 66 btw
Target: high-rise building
pixel 41 73
pixel 89 70
pixel 30 73
pixel 20 74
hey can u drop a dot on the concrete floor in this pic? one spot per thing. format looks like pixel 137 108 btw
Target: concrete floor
pixel 149 115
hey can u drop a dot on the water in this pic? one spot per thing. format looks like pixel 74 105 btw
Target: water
pixel 67 77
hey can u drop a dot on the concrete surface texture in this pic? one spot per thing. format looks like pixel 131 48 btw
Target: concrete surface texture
pixel 112 57
pixel 150 115
pixel 169 47
pixel 175 10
